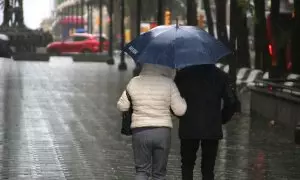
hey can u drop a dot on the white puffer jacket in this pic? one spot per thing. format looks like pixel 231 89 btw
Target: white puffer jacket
pixel 153 93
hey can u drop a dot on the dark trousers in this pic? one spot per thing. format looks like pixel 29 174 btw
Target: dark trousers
pixel 188 151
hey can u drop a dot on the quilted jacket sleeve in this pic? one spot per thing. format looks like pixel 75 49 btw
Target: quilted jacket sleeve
pixel 178 104
pixel 123 103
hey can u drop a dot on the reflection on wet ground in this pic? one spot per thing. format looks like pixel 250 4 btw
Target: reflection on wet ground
pixel 59 121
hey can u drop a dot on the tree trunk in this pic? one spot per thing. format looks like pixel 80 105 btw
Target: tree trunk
pixel 192 13
pixel 276 70
pixel 232 60
pixel 262 58
pixel 6 13
pixel 221 21
pixel 258 33
pixel 243 54
pixel 22 24
pixel 209 20
pixel 296 39
pixel 233 23
pixel 133 13
pixel 160 12
pixel 139 16
pixel 117 19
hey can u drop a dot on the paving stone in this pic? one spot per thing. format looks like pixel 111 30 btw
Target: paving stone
pixel 61 122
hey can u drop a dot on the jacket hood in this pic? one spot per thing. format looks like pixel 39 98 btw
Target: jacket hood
pixel 158 70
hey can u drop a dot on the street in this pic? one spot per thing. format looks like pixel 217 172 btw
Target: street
pixel 59 121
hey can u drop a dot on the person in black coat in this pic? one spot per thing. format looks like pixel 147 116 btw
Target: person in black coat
pixel 204 87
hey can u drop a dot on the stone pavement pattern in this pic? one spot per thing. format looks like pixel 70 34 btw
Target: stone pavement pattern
pixel 59 121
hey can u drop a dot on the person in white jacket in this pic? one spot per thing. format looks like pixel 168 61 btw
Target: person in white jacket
pixel 154 96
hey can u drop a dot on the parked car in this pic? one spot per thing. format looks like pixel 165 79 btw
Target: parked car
pixel 5 50
pixel 78 43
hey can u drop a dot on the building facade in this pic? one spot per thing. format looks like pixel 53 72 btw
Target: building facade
pixel 89 12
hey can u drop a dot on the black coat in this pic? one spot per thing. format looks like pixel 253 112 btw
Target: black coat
pixel 203 88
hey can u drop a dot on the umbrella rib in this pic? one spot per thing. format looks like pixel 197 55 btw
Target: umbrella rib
pixel 144 50
pixel 201 37
pixel 170 44
pixel 186 62
pixel 164 52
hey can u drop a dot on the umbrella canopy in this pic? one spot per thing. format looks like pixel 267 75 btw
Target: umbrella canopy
pixel 176 47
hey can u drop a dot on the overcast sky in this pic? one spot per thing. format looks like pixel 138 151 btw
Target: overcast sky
pixel 35 11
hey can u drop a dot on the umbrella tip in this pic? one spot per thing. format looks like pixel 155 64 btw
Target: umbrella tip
pixel 177 25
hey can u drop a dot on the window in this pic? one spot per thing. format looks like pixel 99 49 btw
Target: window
pixel 69 39
pixel 79 38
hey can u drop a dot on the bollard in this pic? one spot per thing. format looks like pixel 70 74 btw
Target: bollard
pixel 297 134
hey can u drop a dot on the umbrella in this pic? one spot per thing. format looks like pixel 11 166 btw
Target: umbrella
pixel 176 47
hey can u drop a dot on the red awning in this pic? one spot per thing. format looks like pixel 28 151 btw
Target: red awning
pixel 73 20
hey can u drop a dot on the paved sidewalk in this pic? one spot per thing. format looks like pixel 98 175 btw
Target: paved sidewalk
pixel 59 121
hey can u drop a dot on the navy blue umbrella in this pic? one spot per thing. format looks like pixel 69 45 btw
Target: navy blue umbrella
pixel 176 47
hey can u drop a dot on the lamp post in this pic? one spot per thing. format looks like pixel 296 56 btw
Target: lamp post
pixel 122 65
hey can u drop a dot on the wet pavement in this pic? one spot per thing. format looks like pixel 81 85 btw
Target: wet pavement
pixel 59 121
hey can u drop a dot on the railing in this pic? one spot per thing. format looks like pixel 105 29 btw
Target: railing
pixel 277 85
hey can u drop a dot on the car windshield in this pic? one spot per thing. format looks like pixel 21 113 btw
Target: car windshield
pixel 80 38
pixel 102 38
